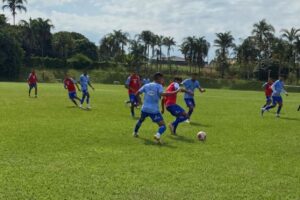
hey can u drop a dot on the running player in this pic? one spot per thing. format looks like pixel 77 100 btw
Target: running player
pixel 278 88
pixel 172 107
pixel 268 92
pixel 32 82
pixel 69 84
pixel 85 83
pixel 133 84
pixel 152 94
pixel 190 85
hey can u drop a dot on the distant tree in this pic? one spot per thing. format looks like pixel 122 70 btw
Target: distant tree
pixel 14 6
pixel 63 44
pixel 146 37
pixel 224 43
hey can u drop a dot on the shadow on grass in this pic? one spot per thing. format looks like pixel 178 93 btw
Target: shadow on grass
pixel 149 142
pixel 72 107
pixel 290 119
pixel 181 138
pixel 199 124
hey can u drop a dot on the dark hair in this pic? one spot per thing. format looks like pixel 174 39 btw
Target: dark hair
pixel 178 79
pixel 157 76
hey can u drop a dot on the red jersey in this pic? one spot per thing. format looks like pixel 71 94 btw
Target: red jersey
pixel 171 100
pixel 32 79
pixel 134 84
pixel 70 84
pixel 268 89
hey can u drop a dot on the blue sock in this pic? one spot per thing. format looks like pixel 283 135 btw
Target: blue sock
pixel 162 129
pixel 178 120
pixel 190 112
pixel 82 100
pixel 138 125
pixel 270 107
pixel 279 109
pixel 88 100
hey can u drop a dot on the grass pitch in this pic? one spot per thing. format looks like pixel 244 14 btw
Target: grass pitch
pixel 51 150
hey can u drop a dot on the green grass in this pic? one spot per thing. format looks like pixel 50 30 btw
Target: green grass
pixel 49 150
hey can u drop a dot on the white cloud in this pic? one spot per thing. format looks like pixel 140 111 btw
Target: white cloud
pixel 177 18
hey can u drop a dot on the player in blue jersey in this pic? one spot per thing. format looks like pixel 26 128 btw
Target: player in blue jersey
pixel 278 89
pixel 152 95
pixel 191 85
pixel 85 83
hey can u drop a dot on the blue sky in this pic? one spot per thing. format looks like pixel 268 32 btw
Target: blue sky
pixel 176 18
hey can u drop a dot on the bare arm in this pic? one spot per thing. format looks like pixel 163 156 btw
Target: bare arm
pixel 163 105
pixel 89 83
pixel 77 87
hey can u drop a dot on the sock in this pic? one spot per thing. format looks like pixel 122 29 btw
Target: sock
pixel 132 110
pixel 269 107
pixel 179 120
pixel 190 112
pixel 279 109
pixel 162 129
pixel 88 100
pixel 82 100
pixel 138 126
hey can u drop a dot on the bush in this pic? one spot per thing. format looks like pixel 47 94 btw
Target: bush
pixel 79 61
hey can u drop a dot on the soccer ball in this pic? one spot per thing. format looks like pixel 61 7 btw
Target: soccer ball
pixel 201 136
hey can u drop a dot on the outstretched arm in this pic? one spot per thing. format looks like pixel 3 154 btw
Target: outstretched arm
pixel 89 83
pixel 77 87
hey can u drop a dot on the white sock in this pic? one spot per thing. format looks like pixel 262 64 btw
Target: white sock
pixel 157 135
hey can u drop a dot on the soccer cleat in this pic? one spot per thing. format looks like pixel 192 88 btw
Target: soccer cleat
pixel 157 139
pixel 172 129
pixel 188 121
pixel 89 107
pixel 136 135
pixel 80 106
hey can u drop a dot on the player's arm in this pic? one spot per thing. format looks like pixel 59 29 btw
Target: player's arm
pixel 201 89
pixel 89 83
pixel 284 91
pixel 165 94
pixel 163 105
pixel 77 86
pixel 186 91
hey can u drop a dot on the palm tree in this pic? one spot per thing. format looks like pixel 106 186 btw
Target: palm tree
pixel 224 42
pixel 146 37
pixel 169 42
pixel 264 33
pixel 159 42
pixel 14 6
pixel 201 48
pixel 120 39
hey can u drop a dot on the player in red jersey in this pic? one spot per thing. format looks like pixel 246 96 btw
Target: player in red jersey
pixel 69 84
pixel 32 82
pixel 133 84
pixel 170 103
pixel 268 92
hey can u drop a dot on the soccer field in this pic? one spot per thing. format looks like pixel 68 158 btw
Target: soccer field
pixel 51 150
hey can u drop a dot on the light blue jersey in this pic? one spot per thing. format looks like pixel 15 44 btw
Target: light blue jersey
pixel 152 97
pixel 84 81
pixel 278 88
pixel 190 85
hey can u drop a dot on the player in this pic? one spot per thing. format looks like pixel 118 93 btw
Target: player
pixel 69 84
pixel 172 107
pixel 32 82
pixel 277 88
pixel 268 91
pixel 85 83
pixel 190 86
pixel 299 108
pixel 133 84
pixel 152 94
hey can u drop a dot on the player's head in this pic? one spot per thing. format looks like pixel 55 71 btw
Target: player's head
pixel 33 71
pixel 85 72
pixel 178 80
pixel 270 80
pixel 282 77
pixel 67 75
pixel 194 76
pixel 158 78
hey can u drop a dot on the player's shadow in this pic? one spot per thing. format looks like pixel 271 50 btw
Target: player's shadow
pixel 149 142
pixel 290 119
pixel 70 107
pixel 199 124
pixel 181 138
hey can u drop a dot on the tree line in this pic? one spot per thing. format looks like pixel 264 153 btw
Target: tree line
pixel 32 43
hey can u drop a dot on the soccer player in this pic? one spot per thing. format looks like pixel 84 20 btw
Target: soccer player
pixel 172 107
pixel 268 91
pixel 299 108
pixel 190 86
pixel 152 94
pixel 133 84
pixel 85 83
pixel 32 82
pixel 69 84
pixel 278 88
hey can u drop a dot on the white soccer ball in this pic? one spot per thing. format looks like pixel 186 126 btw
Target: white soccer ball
pixel 201 136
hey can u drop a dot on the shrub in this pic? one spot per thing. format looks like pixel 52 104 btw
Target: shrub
pixel 79 61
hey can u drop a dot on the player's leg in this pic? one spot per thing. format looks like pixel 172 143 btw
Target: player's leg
pixel 267 108
pixel 73 96
pixel 83 98
pixel 180 115
pixel 29 91
pixel 132 104
pixel 268 102
pixel 191 105
pixel 88 100
pixel 280 105
pixel 158 118
pixel 35 90
pixel 139 124
pixel 299 108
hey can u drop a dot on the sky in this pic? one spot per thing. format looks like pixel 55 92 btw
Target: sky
pixel 176 18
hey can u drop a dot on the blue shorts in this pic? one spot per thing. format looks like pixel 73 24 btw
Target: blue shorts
pixel 268 98
pixel 72 95
pixel 190 102
pixel 133 99
pixel 175 110
pixel 155 117
pixel 277 100
pixel 33 85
